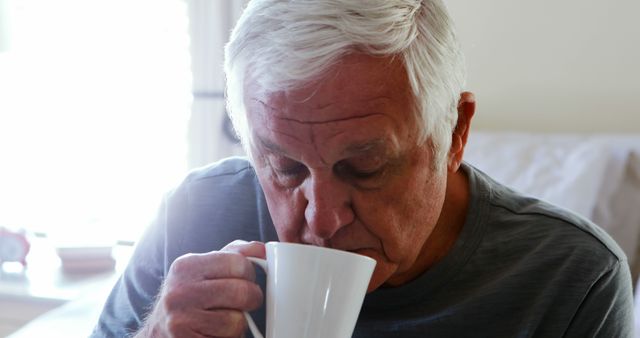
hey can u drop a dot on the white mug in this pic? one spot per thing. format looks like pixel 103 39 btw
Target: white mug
pixel 312 292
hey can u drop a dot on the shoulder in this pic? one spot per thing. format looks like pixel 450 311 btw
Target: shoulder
pixel 232 176
pixel 229 167
pixel 215 205
pixel 558 226
pixel 227 187
pixel 553 232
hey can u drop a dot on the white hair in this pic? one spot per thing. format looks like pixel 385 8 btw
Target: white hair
pixel 282 44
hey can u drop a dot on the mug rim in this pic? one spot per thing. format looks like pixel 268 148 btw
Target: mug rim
pixel 314 247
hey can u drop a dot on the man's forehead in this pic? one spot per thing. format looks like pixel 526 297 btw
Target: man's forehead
pixel 277 106
pixel 359 106
pixel 356 85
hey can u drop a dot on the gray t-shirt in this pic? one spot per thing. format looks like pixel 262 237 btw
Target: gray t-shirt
pixel 520 268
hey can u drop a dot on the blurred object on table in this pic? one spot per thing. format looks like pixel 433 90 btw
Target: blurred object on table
pixel 14 246
pixel 86 259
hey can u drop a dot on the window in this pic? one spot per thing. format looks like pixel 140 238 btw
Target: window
pixel 94 107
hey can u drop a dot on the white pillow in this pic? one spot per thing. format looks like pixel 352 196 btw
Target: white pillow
pixel 568 171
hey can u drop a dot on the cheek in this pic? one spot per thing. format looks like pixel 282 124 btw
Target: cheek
pixel 287 211
pixel 404 215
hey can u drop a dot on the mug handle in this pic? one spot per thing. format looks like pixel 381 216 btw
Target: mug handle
pixel 252 325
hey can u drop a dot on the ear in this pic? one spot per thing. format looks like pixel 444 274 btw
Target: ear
pixel 466 109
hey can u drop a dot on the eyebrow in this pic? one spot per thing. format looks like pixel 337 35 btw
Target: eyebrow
pixel 274 148
pixel 365 147
pixel 352 149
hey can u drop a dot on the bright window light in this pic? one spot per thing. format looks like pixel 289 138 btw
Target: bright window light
pixel 94 104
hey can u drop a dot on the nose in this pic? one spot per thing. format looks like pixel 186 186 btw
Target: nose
pixel 328 206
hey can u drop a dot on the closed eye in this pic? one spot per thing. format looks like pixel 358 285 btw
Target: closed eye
pixel 348 171
pixel 293 170
pixel 363 175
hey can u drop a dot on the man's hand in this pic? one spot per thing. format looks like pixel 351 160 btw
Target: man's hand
pixel 204 295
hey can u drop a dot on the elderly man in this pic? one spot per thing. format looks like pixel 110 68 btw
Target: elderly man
pixel 355 121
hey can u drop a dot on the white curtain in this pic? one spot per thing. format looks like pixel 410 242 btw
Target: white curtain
pixel 4 26
pixel 210 135
pixel 94 103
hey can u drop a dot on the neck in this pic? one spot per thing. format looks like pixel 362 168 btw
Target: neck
pixel 452 218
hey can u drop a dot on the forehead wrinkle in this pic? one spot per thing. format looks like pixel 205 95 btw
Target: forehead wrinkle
pixel 329 121
pixel 274 147
pixel 369 105
pixel 277 127
pixel 316 148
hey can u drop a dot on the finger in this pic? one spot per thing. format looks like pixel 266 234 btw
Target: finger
pixel 235 294
pixel 223 323
pixel 212 265
pixel 247 249
pixel 212 323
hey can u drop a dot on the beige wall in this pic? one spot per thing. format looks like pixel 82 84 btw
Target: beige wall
pixel 552 65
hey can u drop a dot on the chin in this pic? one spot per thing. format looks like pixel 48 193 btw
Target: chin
pixel 374 284
pixel 378 279
pixel 381 274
